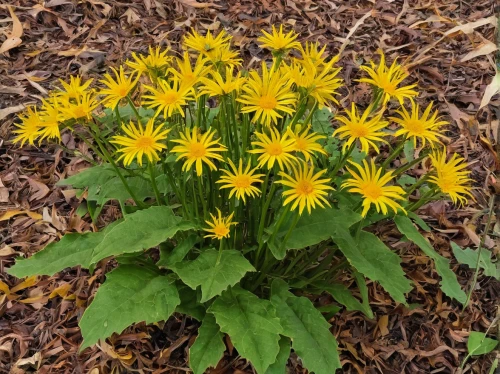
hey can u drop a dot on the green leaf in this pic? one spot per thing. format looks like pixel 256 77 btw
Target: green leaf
pixel 115 190
pixel 169 258
pixel 208 347
pixel 72 250
pixel 213 276
pixel 449 282
pixel 190 302
pixel 130 294
pixel 96 175
pixel 468 257
pixel 279 367
pixel 310 332
pixel 374 260
pixel 252 325
pixel 479 344
pixel 141 230
pixel 322 122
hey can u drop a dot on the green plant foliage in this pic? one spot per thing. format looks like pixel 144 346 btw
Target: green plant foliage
pixel 177 254
pixel 208 347
pixel 190 302
pixel 479 344
pixel 468 256
pixel 279 367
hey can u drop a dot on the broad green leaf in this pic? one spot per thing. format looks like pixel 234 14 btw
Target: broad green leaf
pixel 190 302
pixel 479 344
pixel 468 257
pixel 310 332
pixel 72 250
pixel 130 294
pixel 252 325
pixel 374 260
pixel 168 258
pixel 208 347
pixel 342 295
pixel 279 367
pixel 141 230
pixel 322 122
pixel 115 190
pixel 212 275
pixel 96 175
pixel 449 282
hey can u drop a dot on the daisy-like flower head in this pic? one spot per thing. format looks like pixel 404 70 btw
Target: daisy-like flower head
pixel 155 62
pixel 141 141
pixel 186 74
pixel 207 43
pixel 117 88
pixel 50 118
pixel 198 150
pixel 306 188
pixel 219 227
pixel 312 54
pixel 305 142
pixel 388 79
pixel 321 84
pixel 451 176
pixel 169 97
pixel 372 185
pixel 223 56
pixel 278 41
pixel 273 149
pixel 356 127
pixel 218 86
pixel 268 95
pixel 29 129
pixel 240 181
pixel 75 88
pixel 81 107
pixel 425 128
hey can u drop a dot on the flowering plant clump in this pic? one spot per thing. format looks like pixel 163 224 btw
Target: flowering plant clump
pixel 231 208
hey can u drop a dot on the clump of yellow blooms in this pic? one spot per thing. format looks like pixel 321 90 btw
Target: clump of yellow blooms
pixel 262 140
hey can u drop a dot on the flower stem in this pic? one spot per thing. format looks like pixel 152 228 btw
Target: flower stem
pixel 395 152
pixel 134 109
pixel 153 183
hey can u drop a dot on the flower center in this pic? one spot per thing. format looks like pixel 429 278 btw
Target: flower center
pixel 304 187
pixel 79 112
pixel 359 130
pixel 267 102
pixel 274 149
pixel 145 142
pixel 169 98
pixel 414 126
pixel 372 190
pixel 221 230
pixel 122 91
pixel 300 144
pixel 241 181
pixel 388 86
pixel 197 150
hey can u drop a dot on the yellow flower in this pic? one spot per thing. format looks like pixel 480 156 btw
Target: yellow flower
pixel 155 62
pixel 426 127
pixel 81 107
pixel 275 149
pixel 186 74
pixel 241 181
pixel 29 130
pixel 219 226
pixel 218 86
pixel 267 96
pixel 50 116
pixel 169 97
pixel 367 131
pixel 388 79
pixel 370 183
pixel 312 55
pixel 140 141
pixel 278 41
pixel 451 177
pixel 306 189
pixel 223 56
pixel 207 43
pixel 75 88
pixel 197 151
pixel 118 88
pixel 304 142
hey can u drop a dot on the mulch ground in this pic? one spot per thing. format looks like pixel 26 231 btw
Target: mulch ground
pixel 444 43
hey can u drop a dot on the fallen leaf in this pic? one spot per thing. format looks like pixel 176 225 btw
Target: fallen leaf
pixel 13 109
pixel 14 37
pixel 482 49
pixel 491 90
pixel 11 213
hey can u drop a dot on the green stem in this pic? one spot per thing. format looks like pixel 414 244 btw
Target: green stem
pixel 311 112
pixel 396 151
pixel 221 248
pixel 423 200
pixel 342 161
pixel 202 197
pixel 134 109
pixel 153 183
pixel 290 231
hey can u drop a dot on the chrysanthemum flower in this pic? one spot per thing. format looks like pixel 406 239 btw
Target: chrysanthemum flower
pixel 277 148
pixel 198 150
pixel 388 79
pixel 220 226
pixel 312 55
pixel 218 86
pixel 169 97
pixel 371 184
pixel 141 141
pixel 118 88
pixel 278 41
pixel 207 43
pixel 426 128
pixel 304 142
pixel 186 74
pixel 451 177
pixel 240 181
pixel 306 188
pixel 81 107
pixel 75 88
pixel 367 131
pixel 50 117
pixel 156 61
pixel 29 129
pixel 223 56
pixel 267 95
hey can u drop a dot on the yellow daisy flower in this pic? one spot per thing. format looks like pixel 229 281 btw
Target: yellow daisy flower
pixel 29 129
pixel 220 226
pixel 197 151
pixel 367 131
pixel 169 97
pixel 207 43
pixel 186 74
pixel 218 86
pixel 155 62
pixel 267 95
pixel 388 79
pixel 371 184
pixel 75 88
pixel 118 88
pixel 223 56
pixel 241 181
pixel 140 141
pixel 426 128
pixel 312 55
pixel 50 117
pixel 306 189
pixel 451 177
pixel 304 142
pixel 275 149
pixel 81 107
pixel 278 41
